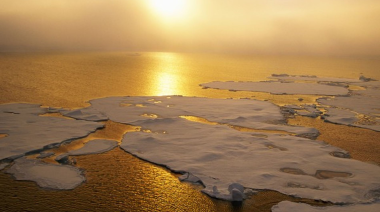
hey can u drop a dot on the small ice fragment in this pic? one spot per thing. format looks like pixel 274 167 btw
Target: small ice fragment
pixel 365 79
pixel 47 175
pixel 189 178
pixel 237 192
pixel 63 159
pixel 45 155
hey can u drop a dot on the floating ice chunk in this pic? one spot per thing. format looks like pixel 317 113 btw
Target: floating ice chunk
pixel 304 110
pixel 237 192
pixel 366 79
pixel 189 178
pixel 65 159
pixel 27 131
pixel 279 87
pixel 340 116
pixel 363 102
pixel 286 206
pixel 47 175
pixel 311 78
pixel 45 155
pixel 96 146
pixel 220 156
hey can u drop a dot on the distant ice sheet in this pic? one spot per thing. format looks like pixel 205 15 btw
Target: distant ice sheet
pixel 47 175
pixel 358 108
pixel 311 78
pixel 27 131
pixel 279 87
pixel 287 206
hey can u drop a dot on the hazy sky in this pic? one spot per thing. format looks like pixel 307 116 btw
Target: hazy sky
pixel 347 27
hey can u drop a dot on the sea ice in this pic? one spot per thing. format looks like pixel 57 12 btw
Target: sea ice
pixel 47 175
pixel 85 114
pixel 360 109
pixel 96 146
pixel 27 131
pixel 219 156
pixel 279 87
pixel 286 206
pixel 311 78
pixel 244 112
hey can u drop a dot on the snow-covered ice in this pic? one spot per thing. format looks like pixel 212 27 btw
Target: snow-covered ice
pixel 27 131
pixel 223 159
pixel 279 87
pixel 361 108
pixel 358 108
pixel 286 206
pixel 220 156
pixel 96 146
pixel 85 114
pixel 244 112
pixel 47 175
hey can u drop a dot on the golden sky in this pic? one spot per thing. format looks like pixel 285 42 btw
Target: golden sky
pixel 327 27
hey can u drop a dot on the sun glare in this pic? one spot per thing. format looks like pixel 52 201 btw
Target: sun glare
pixel 169 8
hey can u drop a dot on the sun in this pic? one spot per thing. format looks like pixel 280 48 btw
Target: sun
pixel 169 8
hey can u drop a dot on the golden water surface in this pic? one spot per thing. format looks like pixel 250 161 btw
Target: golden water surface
pixel 118 181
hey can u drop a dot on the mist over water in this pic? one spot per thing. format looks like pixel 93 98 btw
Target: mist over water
pixel 71 79
pixel 340 27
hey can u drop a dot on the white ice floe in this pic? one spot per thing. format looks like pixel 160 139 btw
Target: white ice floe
pixel 46 175
pixel 279 87
pixel 96 146
pixel 361 108
pixel 287 206
pixel 27 131
pixel 311 78
pixel 223 159
pixel 220 156
pixel 244 112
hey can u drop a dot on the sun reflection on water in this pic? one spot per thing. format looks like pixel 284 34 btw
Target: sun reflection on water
pixel 166 78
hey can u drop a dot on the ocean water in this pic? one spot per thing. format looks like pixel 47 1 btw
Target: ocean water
pixel 69 80
pixel 118 181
